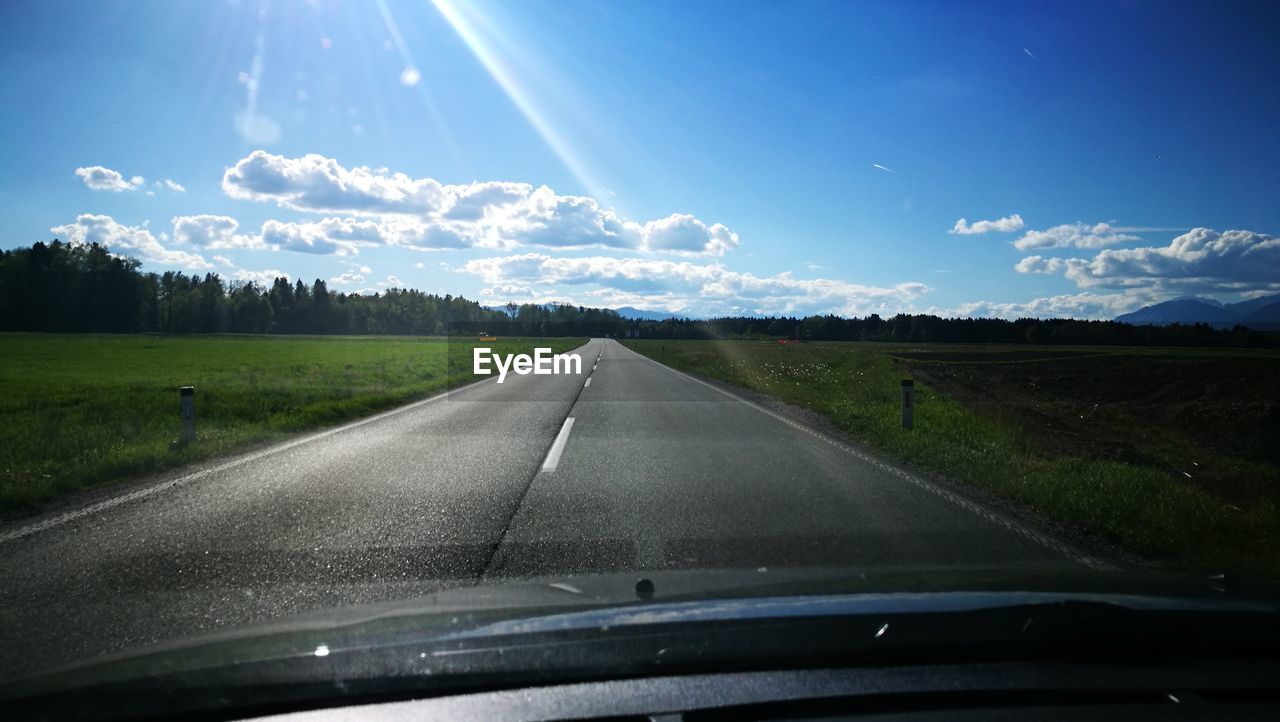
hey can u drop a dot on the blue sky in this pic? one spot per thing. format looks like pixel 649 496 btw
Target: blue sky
pixel 701 157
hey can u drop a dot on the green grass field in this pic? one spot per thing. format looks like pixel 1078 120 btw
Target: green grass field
pixel 78 410
pixel 980 438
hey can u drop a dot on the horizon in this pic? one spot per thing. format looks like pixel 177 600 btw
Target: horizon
pixel 1004 161
pixel 1248 313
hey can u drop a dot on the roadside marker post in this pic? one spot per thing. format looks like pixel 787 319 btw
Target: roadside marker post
pixel 188 407
pixel 908 402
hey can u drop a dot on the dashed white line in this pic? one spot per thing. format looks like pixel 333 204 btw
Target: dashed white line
pixel 588 383
pixel 557 448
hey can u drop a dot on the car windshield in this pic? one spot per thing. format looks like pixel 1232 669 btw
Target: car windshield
pixel 307 306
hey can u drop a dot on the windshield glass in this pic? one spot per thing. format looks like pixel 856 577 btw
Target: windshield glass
pixel 308 306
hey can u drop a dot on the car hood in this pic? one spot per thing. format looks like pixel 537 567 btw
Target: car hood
pixel 604 601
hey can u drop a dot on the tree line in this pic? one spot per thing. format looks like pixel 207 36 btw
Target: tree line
pixel 60 287
pixel 925 328
pixel 68 288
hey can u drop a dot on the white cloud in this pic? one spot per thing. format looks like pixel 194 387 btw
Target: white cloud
pixel 613 298
pixel 1008 224
pixel 424 236
pixel 344 236
pixel 1073 235
pixel 225 261
pixel 337 236
pixel 262 278
pixel 1200 259
pixel 1040 264
pixel 209 231
pixel 473 202
pixel 130 240
pixel 316 183
pixel 1080 305
pixel 508 291
pixel 105 179
pixel 347 278
pixel 330 236
pixel 707 288
pixel 682 233
pixel 423 213
pixel 174 186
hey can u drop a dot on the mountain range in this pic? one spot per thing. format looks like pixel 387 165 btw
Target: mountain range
pixel 636 314
pixel 627 312
pixel 1261 313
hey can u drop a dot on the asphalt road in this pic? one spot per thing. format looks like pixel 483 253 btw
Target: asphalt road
pixel 657 470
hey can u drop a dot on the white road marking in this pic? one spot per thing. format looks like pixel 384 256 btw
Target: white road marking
pixel 557 448
pixel 170 483
pixel 588 383
pixel 1061 547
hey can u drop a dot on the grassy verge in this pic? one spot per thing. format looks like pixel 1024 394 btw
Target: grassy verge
pixel 1136 507
pixel 86 409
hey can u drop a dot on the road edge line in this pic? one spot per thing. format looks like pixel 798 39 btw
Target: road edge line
pixel 115 501
pixel 112 502
pixel 1062 547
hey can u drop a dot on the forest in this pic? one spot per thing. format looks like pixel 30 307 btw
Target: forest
pixel 66 288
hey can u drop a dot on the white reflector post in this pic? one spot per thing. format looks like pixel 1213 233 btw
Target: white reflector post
pixel 188 396
pixel 908 402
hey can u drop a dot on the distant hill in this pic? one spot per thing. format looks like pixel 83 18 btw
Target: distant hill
pixel 1253 305
pixel 636 314
pixel 1265 317
pixel 1182 310
pixel 626 312
pixel 1260 313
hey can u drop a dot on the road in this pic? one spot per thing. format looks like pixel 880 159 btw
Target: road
pixel 656 470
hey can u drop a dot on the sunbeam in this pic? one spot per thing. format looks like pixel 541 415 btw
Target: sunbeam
pixel 496 54
pixel 412 77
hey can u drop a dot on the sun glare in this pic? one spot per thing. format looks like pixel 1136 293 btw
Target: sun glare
pixel 499 56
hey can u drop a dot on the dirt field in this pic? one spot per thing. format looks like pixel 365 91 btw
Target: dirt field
pixel 1208 419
